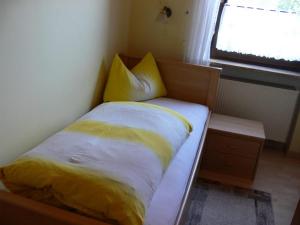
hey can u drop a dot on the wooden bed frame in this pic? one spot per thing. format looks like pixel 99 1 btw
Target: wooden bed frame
pixel 186 82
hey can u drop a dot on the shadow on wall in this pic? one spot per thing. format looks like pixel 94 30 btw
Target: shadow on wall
pixel 100 85
pixel 113 26
pixel 117 36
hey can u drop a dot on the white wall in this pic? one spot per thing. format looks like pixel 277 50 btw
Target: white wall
pixel 273 106
pixel 53 58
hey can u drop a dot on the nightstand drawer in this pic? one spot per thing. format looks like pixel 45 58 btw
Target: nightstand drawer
pixel 233 165
pixel 223 143
pixel 232 148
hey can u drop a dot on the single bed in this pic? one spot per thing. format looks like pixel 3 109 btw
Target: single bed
pixel 194 87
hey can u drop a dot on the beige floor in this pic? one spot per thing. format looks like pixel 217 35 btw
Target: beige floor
pixel 279 176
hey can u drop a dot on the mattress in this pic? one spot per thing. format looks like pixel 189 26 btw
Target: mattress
pixel 166 201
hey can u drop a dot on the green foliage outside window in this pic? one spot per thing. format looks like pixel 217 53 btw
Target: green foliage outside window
pixel 289 5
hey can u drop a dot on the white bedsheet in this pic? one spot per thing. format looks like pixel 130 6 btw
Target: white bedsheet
pixel 167 199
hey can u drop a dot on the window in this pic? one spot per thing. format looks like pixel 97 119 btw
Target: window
pixel 261 32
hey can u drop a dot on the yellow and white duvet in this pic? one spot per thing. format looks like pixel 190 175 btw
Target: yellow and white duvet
pixel 107 164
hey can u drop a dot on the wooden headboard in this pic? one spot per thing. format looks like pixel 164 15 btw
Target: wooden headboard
pixel 193 83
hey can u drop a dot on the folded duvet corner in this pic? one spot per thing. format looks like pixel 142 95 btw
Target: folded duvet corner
pixel 90 192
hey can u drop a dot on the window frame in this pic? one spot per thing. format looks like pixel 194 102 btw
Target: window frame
pixel 247 58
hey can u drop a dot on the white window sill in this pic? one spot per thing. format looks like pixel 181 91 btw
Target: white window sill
pixel 219 62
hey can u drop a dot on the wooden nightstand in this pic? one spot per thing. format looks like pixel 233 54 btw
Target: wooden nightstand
pixel 232 150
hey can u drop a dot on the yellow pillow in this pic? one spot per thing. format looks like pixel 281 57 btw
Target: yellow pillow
pixel 143 82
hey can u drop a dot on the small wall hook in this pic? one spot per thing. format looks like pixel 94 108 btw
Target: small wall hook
pixel 167 11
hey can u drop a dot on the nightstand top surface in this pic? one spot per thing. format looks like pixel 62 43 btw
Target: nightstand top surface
pixel 237 125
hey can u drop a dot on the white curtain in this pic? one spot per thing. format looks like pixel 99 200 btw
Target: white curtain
pixel 204 13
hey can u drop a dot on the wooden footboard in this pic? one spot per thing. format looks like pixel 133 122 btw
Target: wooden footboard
pixel 17 210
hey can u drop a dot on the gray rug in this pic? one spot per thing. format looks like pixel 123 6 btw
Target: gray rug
pixel 217 204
